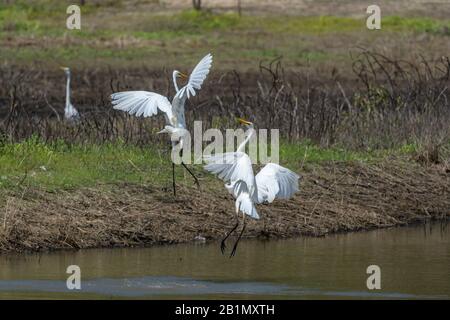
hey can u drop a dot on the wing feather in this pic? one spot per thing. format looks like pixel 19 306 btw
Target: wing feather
pixel 232 167
pixel 275 181
pixel 197 77
pixel 142 103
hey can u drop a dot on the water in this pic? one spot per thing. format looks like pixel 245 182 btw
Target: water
pixel 414 262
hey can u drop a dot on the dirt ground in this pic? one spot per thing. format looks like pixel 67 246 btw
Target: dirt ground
pixel 334 197
pixel 348 8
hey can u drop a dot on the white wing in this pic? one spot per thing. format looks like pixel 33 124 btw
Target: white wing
pixel 232 167
pixel 142 103
pixel 196 78
pixel 274 181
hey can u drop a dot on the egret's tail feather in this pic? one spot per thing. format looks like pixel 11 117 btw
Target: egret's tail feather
pixel 245 205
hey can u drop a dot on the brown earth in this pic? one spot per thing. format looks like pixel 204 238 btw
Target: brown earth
pixel 355 8
pixel 334 197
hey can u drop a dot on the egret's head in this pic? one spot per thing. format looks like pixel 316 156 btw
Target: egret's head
pixel 245 122
pixel 65 69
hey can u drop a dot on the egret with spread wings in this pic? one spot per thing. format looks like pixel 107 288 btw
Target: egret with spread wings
pixel 147 104
pixel 235 168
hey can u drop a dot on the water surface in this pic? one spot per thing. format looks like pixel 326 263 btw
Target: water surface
pixel 414 262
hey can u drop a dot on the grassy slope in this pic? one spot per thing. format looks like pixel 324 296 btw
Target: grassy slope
pixel 59 166
pixel 138 208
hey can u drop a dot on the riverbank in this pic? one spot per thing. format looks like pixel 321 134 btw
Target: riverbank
pixel 362 115
pixel 335 197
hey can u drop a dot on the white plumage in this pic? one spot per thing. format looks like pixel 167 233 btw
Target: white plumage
pixel 143 103
pixel 147 104
pixel 71 114
pixel 197 77
pixel 275 181
pixel 232 167
pixel 244 201
pixel 235 168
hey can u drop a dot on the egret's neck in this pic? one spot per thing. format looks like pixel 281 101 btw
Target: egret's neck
pixel 250 132
pixel 68 91
pixel 174 78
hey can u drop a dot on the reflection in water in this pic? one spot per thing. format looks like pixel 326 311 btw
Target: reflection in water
pixel 414 263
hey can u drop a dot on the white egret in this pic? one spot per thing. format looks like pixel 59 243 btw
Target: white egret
pixel 70 113
pixel 235 168
pixel 147 104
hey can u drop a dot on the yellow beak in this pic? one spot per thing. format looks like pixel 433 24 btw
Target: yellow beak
pixel 244 121
pixel 182 75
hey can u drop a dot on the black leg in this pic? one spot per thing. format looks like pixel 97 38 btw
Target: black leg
pixel 173 180
pixel 195 178
pixel 222 244
pixel 233 252
pixel 190 172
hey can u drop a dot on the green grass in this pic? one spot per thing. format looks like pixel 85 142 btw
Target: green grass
pixel 296 154
pixel 48 17
pixel 150 35
pixel 36 17
pixel 396 23
pixel 70 53
pixel 58 165
pixel 309 153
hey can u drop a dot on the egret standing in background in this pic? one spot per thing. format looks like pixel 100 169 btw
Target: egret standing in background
pixel 235 168
pixel 70 113
pixel 147 104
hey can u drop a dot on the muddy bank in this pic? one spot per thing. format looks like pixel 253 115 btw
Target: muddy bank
pixel 335 197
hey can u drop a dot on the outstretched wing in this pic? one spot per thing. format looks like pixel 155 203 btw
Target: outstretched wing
pixel 142 103
pixel 232 167
pixel 275 181
pixel 196 78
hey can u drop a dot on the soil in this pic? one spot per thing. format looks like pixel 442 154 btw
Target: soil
pixel 334 197
pixel 353 8
pixel 348 8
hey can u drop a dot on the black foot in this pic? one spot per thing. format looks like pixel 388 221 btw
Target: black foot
pixel 223 246
pixel 233 252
